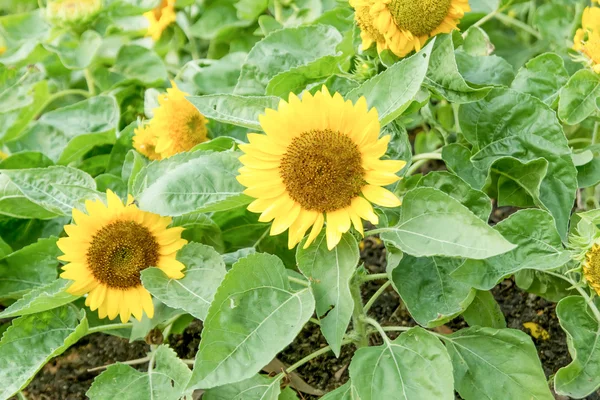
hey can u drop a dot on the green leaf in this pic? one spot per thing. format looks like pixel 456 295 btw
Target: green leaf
pixel 214 76
pixel 76 52
pixel 521 126
pixel 434 224
pixel 496 364
pixel 190 182
pixel 392 91
pixel 166 381
pixel 329 274
pixel 539 247
pixel 13 203
pixel 32 340
pixel 258 387
pixel 194 292
pixel 432 296
pixel 46 297
pixel 28 268
pixel 588 174
pixel 580 97
pixel 26 159
pixel 515 183
pixel 112 182
pixel 582 376
pixel 484 311
pixel 162 314
pixel 139 65
pixel 80 145
pixel 132 165
pixel 345 392
pixel 415 366
pixel 217 19
pixel 201 228
pixel 250 9
pixel 443 77
pixel 298 78
pixel 235 110
pixel 57 189
pixel 555 22
pixel 544 285
pixel 542 77
pixel 253 316
pixel 283 50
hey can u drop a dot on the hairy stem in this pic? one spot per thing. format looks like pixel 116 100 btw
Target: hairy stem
pixel 378 327
pixel 518 24
pixel 298 281
pixel 581 291
pixel 311 356
pixel 109 327
pixel 373 277
pixel 374 298
pixel 358 315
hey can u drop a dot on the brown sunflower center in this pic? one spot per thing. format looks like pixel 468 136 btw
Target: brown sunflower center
pixel 120 251
pixel 365 22
pixel 420 17
pixel 322 170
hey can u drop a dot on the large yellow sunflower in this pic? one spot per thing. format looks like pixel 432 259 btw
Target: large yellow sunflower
pixel 407 24
pixel 587 39
pixel 319 161
pixel 368 32
pixel 179 125
pixel 144 141
pixel 109 247
pixel 591 267
pixel 160 18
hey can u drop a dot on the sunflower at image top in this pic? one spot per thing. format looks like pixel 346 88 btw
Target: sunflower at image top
pixel 107 248
pixel 407 24
pixel 160 18
pixel 368 32
pixel 318 162
pixel 587 39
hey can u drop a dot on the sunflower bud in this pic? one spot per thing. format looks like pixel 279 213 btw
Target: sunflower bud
pixel 591 267
pixel 72 12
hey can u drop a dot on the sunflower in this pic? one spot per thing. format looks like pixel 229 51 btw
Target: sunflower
pixel 407 24
pixel 178 124
pixel 319 160
pixel 72 11
pixel 587 39
pixel 108 247
pixel 144 141
pixel 160 18
pixel 368 32
pixel 591 267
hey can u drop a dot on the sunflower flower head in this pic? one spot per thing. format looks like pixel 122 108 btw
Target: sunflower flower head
pixel 407 24
pixel 369 34
pixel 70 12
pixel 160 18
pixel 144 141
pixel 591 267
pixel 319 162
pixel 106 250
pixel 587 38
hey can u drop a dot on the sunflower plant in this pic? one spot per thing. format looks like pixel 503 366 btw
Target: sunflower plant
pixel 173 164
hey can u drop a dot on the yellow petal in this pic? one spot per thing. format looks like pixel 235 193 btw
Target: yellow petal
pixel 380 196
pixel 125 309
pixel 316 229
pixel 279 207
pixel 146 301
pixel 114 298
pixel 171 267
pixel 113 201
pixel 381 178
pixel 284 221
pixel 363 209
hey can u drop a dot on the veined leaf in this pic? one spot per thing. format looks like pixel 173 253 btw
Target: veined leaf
pixel 233 109
pixel 258 387
pixel 46 297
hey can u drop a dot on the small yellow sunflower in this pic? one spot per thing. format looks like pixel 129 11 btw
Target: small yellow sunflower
pixel 591 267
pixel 108 247
pixel 368 32
pixel 407 24
pixel 178 124
pixel 587 39
pixel 160 18
pixel 144 141
pixel 319 158
pixel 72 11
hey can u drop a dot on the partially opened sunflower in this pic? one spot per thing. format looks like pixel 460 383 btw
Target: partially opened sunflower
pixel 587 39
pixel 318 162
pixel 591 267
pixel 106 250
pixel 407 24
pixel 368 32
pixel 160 18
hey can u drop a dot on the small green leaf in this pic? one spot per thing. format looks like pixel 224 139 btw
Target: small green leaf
pixel 298 78
pixel 194 292
pixel 253 316
pixel 76 52
pixel 580 97
pixel 200 228
pixel 434 224
pixel 258 387
pixel 415 366
pixel 329 274
pixel 32 340
pixel 496 364
pixel 137 64
pixel 166 381
pixel 582 376
pixel 484 311
pixel 46 297
pixel 544 285
pixel 217 19
pixel 214 76
pixel 542 77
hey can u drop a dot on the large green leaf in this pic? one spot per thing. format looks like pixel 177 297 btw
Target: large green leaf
pixel 28 268
pixel 190 182
pixel 345 392
pixel 282 50
pixel 194 292
pixel 253 316
pixel 392 91
pixel 431 295
pixel 539 248
pixel 582 376
pixel 13 203
pixel 542 77
pixel 484 311
pixel 415 366
pixel 329 274
pixel 57 189
pixel 76 52
pixel 235 110
pixel 298 78
pixel 166 381
pixel 137 64
pixel 496 364
pixel 258 387
pixel 32 340
pixel 511 124
pixel 201 228
pixel 580 97
pixel 214 76
pixel 46 297
pixel 432 223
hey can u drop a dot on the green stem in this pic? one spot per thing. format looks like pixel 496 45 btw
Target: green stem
pixel 358 315
pixel 374 298
pixel 278 11
pixel 377 232
pixel 298 281
pixel 596 132
pixel 60 94
pixel 427 156
pixel 373 277
pixel 579 140
pixel 518 24
pixel 379 329
pixel 191 39
pixel 396 328
pixel 89 79
pixel 489 16
pixel 21 396
pixel 311 356
pixel 109 327
pixel 581 291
